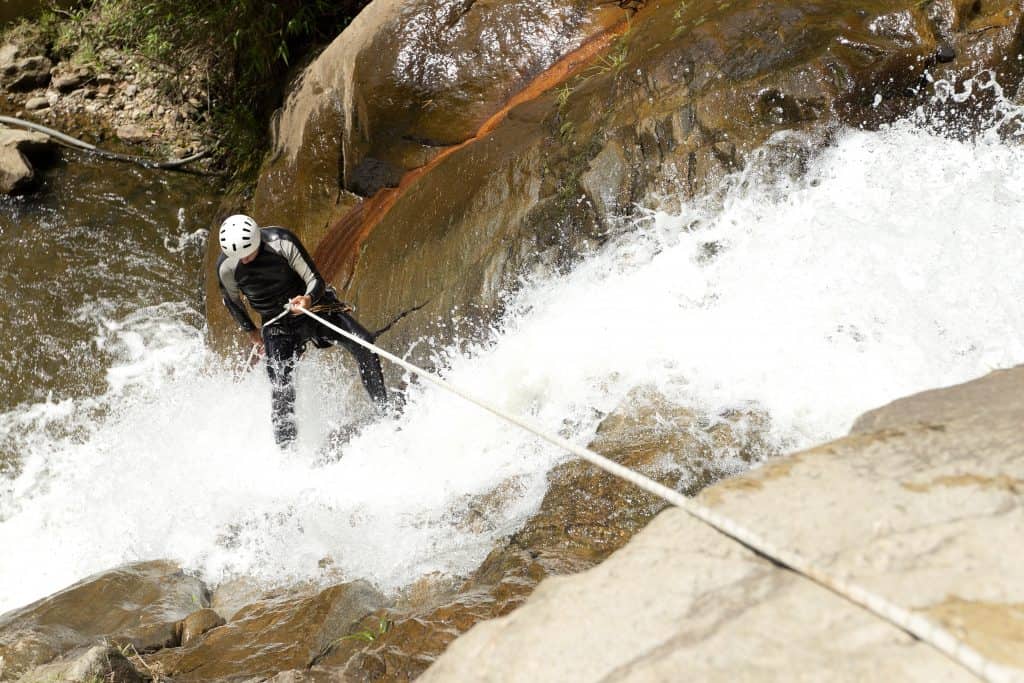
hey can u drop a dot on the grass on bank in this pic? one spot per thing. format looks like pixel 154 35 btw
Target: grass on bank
pixel 236 53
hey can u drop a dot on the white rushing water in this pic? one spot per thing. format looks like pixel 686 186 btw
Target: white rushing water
pixel 893 266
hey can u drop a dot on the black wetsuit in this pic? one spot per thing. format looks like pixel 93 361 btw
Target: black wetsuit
pixel 282 270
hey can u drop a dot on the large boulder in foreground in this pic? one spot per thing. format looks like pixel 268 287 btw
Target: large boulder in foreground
pixel 922 504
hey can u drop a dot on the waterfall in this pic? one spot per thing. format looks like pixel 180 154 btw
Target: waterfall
pixel 891 266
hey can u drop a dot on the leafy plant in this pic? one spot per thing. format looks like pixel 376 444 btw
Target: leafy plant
pixel 366 634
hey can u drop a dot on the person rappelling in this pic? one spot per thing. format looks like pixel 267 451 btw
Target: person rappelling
pixel 272 268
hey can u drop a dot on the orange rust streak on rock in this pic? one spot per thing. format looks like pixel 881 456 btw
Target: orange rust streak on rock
pixel 339 249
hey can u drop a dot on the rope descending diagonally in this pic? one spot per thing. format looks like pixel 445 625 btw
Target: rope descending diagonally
pixel 914 624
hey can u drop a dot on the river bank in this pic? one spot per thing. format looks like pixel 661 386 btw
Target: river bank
pixel 116 100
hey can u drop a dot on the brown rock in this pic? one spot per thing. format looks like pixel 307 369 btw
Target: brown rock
pixel 271 635
pixel 137 604
pixel 27 74
pixel 70 82
pixel 37 103
pixel 198 623
pixel 19 151
pixel 404 80
pixel 132 133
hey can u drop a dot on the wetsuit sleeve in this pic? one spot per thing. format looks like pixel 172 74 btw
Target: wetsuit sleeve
pixel 232 296
pixel 301 263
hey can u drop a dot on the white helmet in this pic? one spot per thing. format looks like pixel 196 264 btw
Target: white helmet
pixel 239 236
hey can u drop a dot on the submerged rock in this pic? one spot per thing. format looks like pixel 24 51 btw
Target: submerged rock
pixel 921 504
pixel 137 605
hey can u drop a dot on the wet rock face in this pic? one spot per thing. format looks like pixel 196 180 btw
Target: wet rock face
pixel 405 79
pixel 270 635
pixel 667 110
pixel 433 76
pixel 135 605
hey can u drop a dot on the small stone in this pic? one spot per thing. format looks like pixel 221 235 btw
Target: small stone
pixel 132 133
pixel 105 90
pixel 37 103
pixel 131 90
pixel 104 79
pixel 8 53
pixel 68 82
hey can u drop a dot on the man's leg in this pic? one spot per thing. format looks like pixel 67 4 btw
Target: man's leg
pixel 369 364
pixel 280 346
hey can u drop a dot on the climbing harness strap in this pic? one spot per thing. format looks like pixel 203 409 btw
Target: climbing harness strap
pixel 914 624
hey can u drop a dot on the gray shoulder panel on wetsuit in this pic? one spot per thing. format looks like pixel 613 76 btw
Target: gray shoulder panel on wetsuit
pixel 230 294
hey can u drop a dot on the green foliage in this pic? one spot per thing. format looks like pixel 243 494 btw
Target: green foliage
pixel 239 47
pixel 613 61
pixel 366 635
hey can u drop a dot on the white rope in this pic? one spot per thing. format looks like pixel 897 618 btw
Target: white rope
pixel 914 624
